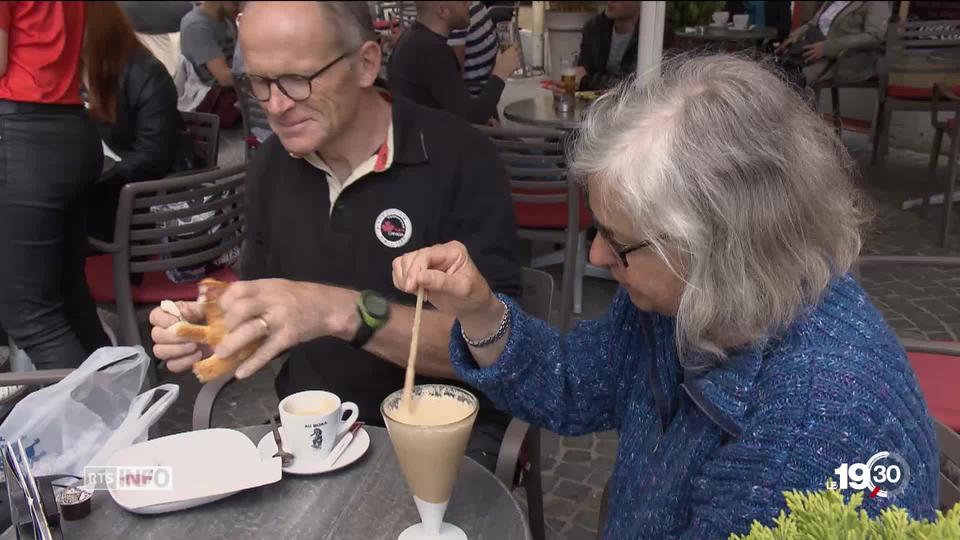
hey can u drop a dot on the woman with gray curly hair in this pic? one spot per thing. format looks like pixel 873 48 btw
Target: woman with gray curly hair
pixel 739 358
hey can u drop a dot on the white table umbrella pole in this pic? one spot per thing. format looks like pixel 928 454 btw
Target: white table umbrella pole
pixel 650 46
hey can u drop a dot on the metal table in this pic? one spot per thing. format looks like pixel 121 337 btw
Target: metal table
pixel 368 500
pixel 725 34
pixel 539 111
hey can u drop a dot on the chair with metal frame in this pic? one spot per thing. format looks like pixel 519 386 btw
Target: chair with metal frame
pixel 951 127
pixel 548 205
pixel 204 129
pixel 150 239
pixel 910 45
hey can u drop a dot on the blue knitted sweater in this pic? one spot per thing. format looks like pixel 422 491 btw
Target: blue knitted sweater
pixel 704 454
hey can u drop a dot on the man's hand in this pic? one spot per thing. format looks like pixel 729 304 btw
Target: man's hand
pixel 286 312
pixel 178 353
pixel 812 53
pixel 507 62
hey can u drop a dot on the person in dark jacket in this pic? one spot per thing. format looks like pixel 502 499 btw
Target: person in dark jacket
pixel 147 134
pixel 608 48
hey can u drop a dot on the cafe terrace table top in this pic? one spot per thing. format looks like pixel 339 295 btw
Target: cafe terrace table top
pixel 711 33
pixel 539 111
pixel 368 500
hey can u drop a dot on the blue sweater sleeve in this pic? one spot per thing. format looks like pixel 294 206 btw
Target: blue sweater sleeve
pixel 566 383
pixel 799 444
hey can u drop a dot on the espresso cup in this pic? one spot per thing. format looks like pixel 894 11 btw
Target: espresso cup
pixel 740 21
pixel 313 422
pixel 720 17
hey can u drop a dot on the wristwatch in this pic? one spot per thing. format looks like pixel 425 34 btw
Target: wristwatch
pixel 374 311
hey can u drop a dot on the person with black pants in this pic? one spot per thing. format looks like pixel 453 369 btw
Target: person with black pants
pixel 50 153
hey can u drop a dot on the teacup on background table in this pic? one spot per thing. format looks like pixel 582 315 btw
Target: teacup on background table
pixel 741 22
pixel 720 18
pixel 313 423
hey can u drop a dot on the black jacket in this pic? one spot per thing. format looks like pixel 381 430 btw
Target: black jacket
pixel 594 50
pixel 148 133
pixel 424 70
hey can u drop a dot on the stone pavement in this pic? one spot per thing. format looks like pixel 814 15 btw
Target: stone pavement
pixel 919 303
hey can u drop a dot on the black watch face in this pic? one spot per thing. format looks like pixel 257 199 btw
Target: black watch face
pixel 376 305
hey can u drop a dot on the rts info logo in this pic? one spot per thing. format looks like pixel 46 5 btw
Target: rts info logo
pixel 885 474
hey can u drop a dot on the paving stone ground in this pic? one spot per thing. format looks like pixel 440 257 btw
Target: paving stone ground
pixel 918 302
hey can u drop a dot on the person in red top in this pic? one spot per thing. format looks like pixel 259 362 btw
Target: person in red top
pixel 50 153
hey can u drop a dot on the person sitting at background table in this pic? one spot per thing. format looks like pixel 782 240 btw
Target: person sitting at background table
pixel 608 48
pixel 147 133
pixel 351 178
pixel 207 37
pixel 425 70
pixel 842 42
pixel 739 358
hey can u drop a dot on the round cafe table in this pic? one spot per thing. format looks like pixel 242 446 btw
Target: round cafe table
pixel 367 500
pixel 539 111
pixel 727 33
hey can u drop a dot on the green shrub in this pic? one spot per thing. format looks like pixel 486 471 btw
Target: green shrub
pixel 825 514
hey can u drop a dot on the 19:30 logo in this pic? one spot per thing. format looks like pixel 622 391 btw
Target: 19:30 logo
pixel 885 474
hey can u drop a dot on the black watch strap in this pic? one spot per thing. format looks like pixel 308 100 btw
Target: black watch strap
pixel 364 332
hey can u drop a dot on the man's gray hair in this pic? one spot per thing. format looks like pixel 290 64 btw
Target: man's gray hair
pixel 353 23
pixel 720 160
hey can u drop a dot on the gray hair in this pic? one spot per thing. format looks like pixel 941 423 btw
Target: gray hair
pixel 353 23
pixel 721 160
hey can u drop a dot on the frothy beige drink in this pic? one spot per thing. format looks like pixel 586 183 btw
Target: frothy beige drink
pixel 320 405
pixel 430 439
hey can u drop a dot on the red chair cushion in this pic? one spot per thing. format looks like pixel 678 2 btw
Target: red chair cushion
pixel 546 215
pixel 914 92
pixel 938 375
pixel 154 288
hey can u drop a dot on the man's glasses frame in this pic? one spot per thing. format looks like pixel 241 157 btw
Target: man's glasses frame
pixel 249 82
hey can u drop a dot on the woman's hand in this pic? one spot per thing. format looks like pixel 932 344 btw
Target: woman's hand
pixel 813 52
pixel 452 284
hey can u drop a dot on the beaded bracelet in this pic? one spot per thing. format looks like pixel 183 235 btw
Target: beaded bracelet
pixel 501 330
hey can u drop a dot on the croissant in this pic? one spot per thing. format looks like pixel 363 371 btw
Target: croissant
pixel 212 333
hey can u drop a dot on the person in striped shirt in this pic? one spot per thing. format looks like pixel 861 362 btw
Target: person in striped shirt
pixel 476 47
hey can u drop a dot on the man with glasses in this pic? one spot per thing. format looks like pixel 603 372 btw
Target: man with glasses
pixel 352 179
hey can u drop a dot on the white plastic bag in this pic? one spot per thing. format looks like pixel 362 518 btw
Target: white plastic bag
pixel 90 414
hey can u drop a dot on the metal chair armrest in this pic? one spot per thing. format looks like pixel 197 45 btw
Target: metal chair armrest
pixel 42 376
pixel 509 454
pixel 102 246
pixel 203 406
pixel 907 260
pixel 930 347
pixel 941 90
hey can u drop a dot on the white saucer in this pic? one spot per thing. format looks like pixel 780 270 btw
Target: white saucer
pixel 747 29
pixel 267 447
pixel 447 532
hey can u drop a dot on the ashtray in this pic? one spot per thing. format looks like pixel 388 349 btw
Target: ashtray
pixel 74 503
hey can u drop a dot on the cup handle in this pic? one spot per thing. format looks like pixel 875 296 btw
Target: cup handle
pixel 351 418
